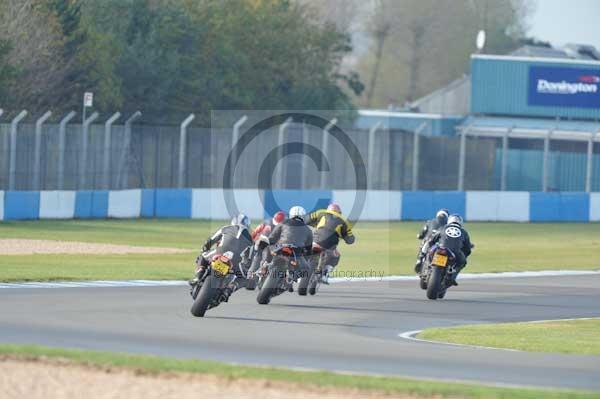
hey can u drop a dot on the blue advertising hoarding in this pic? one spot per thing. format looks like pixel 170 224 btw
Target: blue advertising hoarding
pixel 564 87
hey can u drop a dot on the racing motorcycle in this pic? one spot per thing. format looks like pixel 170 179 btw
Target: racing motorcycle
pixel 311 281
pixel 256 277
pixel 211 288
pixel 279 275
pixel 437 273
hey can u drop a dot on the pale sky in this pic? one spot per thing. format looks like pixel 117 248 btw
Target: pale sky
pixel 567 21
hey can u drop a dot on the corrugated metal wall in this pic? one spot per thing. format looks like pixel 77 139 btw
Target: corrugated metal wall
pixel 500 85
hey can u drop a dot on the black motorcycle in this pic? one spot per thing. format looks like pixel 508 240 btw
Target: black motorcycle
pixel 438 271
pixel 211 288
pixel 256 272
pixel 279 276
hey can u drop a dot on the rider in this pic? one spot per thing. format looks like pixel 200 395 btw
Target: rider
pixel 234 238
pixel 260 237
pixel 431 227
pixel 294 232
pixel 330 226
pixel 454 237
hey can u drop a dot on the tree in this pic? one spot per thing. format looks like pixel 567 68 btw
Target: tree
pixel 430 42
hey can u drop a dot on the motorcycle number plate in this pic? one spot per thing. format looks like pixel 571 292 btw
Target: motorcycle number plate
pixel 220 267
pixel 439 260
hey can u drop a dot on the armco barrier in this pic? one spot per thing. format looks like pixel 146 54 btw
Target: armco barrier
pixel 379 205
pixel 497 206
pixel 594 207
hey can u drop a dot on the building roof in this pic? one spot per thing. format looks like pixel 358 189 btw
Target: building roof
pixel 531 128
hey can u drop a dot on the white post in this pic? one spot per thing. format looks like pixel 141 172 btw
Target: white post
pixel 590 162
pixel 281 138
pixel 546 162
pixel 305 142
pixel 235 136
pixel 62 131
pixel 183 148
pixel 107 140
pixel 462 158
pixel 325 150
pixel 504 167
pixel 416 156
pixel 371 154
pixel 123 174
pixel 13 149
pixel 85 133
pixel 36 182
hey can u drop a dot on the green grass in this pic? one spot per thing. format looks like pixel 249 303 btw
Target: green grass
pixel 571 336
pixel 383 248
pixel 152 364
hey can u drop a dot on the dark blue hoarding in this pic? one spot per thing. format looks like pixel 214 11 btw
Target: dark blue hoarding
pixel 564 87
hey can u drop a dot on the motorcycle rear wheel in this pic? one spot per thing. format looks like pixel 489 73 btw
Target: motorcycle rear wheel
pixel 209 289
pixel 434 285
pixel 269 288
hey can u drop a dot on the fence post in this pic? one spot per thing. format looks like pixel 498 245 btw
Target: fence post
pixel 325 150
pixel 371 154
pixel 281 138
pixel 4 148
pixel 62 132
pixel 85 133
pixel 416 156
pixel 462 160
pixel 121 181
pixel 546 162
pixel 36 182
pixel 235 136
pixel 106 153
pixel 183 148
pixel 13 149
pixel 504 166
pixel 590 162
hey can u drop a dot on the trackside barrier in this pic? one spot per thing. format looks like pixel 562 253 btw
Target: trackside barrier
pixel 379 205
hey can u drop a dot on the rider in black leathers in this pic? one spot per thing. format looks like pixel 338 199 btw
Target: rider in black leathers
pixel 234 238
pixel 454 237
pixel 296 233
pixel 431 227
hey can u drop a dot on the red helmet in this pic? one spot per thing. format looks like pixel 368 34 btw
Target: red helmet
pixel 334 207
pixel 278 218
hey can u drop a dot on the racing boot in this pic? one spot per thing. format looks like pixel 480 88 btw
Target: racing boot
pixel 419 263
pixel 325 275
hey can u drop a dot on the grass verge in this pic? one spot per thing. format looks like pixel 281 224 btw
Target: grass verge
pixel 153 365
pixel 569 336
pixel 381 248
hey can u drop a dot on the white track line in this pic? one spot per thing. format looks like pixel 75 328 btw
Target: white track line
pixel 334 280
pixel 473 276
pixel 412 335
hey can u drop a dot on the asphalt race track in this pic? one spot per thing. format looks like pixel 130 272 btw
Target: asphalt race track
pixel 350 327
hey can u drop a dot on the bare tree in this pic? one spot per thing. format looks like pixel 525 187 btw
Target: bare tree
pixel 37 46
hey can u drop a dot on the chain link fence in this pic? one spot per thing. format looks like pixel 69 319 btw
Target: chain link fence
pixel 149 157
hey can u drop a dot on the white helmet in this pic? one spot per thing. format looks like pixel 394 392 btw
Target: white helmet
pixel 241 220
pixel 297 212
pixel 455 219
